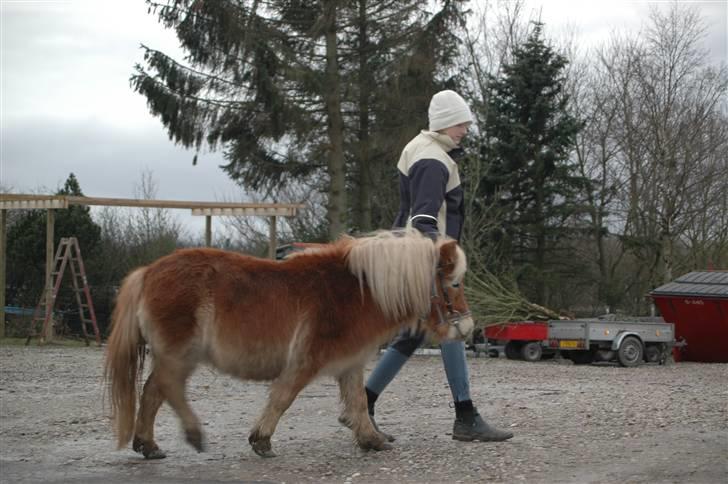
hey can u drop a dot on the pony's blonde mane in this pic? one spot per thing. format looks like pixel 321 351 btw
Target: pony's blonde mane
pixel 398 268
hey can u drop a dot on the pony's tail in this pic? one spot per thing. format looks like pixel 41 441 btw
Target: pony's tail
pixel 125 356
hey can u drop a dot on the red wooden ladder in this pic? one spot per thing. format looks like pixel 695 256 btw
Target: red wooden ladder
pixel 68 251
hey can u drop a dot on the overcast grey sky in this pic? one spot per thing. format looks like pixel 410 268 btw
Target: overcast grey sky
pixel 66 105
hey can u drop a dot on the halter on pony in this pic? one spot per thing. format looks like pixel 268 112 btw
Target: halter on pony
pixel 454 317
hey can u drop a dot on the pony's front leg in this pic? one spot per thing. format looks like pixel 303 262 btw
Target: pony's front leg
pixel 355 416
pixel 283 391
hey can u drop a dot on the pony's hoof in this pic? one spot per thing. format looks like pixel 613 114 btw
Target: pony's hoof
pixel 265 453
pixel 263 448
pixel 194 438
pixel 387 437
pixel 147 449
pixel 375 444
pixel 345 421
pixel 155 454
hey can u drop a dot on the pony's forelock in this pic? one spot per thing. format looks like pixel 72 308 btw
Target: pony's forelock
pixel 398 268
pixel 461 263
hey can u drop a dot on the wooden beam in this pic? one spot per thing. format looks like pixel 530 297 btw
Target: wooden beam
pixel 208 231
pixel 272 236
pixel 247 211
pixel 40 203
pixel 50 225
pixel 3 241
pixel 128 202
pixel 24 201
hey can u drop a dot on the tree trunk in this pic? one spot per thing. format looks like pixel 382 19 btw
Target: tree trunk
pixel 540 229
pixel 336 210
pixel 666 249
pixel 364 203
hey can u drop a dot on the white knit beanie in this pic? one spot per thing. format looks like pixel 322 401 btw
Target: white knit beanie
pixel 448 109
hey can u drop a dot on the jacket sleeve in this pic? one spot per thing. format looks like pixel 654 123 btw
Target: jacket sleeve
pixel 400 220
pixel 428 182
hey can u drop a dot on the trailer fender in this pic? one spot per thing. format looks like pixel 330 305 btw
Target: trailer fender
pixel 617 342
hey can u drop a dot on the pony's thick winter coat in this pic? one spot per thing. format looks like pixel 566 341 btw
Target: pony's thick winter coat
pixel 322 312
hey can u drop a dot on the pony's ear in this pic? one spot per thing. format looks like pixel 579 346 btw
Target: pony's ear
pixel 448 254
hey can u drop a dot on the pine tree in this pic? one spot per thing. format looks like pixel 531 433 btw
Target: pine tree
pixel 291 89
pixel 27 250
pixel 245 86
pixel 530 174
pixel 416 64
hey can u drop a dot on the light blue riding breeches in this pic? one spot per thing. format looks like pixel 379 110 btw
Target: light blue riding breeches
pixel 397 354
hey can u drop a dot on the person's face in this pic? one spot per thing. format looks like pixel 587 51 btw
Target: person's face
pixel 457 132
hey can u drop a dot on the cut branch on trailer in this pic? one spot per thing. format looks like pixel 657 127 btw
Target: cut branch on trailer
pixel 493 302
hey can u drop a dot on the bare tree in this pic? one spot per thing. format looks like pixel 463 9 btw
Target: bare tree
pixel 136 236
pixel 151 225
pixel 705 238
pixel 670 141
pixel 251 233
pixel 495 28
pixel 596 151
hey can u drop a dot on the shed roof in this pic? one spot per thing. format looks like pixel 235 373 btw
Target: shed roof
pixel 713 284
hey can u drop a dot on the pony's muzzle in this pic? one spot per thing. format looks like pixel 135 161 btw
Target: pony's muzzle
pixel 460 326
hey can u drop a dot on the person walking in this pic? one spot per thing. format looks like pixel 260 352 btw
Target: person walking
pixel 431 200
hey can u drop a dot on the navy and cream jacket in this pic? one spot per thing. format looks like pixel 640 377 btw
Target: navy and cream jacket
pixel 431 198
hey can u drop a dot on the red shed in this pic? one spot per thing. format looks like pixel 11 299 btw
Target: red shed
pixel 697 304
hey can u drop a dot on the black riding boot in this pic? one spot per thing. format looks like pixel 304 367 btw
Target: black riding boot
pixel 469 425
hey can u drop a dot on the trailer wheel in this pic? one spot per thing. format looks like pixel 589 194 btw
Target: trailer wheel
pixel 531 351
pixel 630 352
pixel 513 350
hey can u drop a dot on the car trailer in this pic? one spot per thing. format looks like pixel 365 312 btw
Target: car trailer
pixel 520 340
pixel 630 341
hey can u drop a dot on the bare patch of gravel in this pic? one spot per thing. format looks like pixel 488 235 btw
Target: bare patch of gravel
pixel 581 424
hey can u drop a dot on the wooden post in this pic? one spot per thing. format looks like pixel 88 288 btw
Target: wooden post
pixel 50 223
pixel 3 240
pixel 272 236
pixel 208 230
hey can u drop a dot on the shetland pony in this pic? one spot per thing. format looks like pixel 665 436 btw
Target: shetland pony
pixel 323 311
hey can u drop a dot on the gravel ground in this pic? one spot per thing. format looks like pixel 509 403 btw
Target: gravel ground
pixel 581 424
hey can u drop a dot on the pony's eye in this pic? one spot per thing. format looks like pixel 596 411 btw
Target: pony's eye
pixel 455 285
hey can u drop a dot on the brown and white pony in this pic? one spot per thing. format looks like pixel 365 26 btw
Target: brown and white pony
pixel 323 311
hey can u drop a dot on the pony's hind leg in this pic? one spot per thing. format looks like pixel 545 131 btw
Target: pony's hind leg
pixel 283 391
pixel 149 404
pixel 355 415
pixel 172 377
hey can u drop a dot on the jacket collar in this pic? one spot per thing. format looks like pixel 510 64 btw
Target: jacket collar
pixel 443 140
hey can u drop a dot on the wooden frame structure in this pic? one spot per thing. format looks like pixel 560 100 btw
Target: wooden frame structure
pixel 58 202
